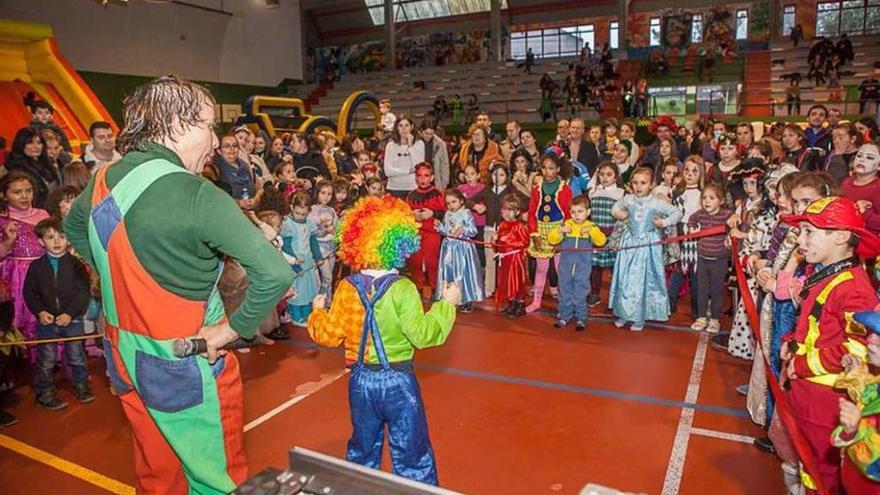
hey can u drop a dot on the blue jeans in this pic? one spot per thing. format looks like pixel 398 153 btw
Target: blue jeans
pixel 74 354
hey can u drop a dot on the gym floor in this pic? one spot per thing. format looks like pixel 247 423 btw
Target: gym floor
pixel 513 407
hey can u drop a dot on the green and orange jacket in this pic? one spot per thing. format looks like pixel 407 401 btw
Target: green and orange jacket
pixel 403 322
pixel 180 228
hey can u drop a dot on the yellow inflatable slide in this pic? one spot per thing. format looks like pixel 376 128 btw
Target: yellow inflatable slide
pixel 30 61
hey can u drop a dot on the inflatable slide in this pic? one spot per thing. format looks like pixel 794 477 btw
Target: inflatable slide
pixel 30 61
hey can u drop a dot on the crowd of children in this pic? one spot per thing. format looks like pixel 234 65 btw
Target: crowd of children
pixel 537 219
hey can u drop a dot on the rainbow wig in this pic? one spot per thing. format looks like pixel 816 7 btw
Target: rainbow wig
pixel 377 233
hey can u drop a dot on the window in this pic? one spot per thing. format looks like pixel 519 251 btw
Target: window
pixel 872 17
pixel 789 16
pixel 850 16
pixel 614 35
pixel 828 19
pixel 697 28
pixel 654 34
pixel 413 10
pixel 742 24
pixel 552 42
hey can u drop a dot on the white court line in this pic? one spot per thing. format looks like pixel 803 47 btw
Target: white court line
pixel 675 468
pixel 316 386
pixel 722 435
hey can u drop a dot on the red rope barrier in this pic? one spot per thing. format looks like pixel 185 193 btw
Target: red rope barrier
pixel 782 406
pixel 721 229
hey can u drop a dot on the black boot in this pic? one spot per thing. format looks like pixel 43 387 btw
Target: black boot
pixel 519 309
pixel 508 309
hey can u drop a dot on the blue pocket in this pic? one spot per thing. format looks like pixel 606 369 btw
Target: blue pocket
pixel 168 386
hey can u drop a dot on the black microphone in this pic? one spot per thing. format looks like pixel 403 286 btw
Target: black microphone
pixel 190 347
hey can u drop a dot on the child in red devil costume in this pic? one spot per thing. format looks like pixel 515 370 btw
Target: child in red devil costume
pixel 833 238
pixel 511 242
pixel 428 204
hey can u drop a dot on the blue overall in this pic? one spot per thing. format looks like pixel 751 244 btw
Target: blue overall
pixel 387 394
pixel 575 268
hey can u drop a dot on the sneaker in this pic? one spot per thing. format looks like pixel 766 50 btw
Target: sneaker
pixel 593 300
pixel 580 326
pixel 699 324
pixel 83 393
pixel 560 323
pixel 719 341
pixel 48 400
pixel 466 308
pixel 7 419
pixel 637 327
pixel 743 389
pixel 714 326
pixel 619 323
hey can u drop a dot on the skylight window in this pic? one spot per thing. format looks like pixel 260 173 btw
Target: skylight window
pixel 414 10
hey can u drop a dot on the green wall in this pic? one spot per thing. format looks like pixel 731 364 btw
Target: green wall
pixel 112 88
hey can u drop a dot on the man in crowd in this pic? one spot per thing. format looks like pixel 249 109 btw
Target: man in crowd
pixel 484 121
pixel 818 136
pixel 511 142
pixel 102 148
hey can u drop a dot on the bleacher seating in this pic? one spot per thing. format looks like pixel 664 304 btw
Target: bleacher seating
pixel 502 89
pixel 785 59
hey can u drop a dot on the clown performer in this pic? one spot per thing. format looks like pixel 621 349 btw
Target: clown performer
pixel 833 237
pixel 377 314
pixel 158 274
pixel 428 204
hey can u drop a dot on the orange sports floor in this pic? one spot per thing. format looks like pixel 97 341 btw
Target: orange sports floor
pixel 513 408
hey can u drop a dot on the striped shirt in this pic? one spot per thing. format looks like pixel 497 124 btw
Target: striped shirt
pixel 710 246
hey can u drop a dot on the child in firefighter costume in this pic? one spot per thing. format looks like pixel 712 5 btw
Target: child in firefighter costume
pixel 378 316
pixel 833 238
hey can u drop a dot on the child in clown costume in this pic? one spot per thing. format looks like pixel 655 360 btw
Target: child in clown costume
pixel 548 209
pixel 375 238
pixel 859 431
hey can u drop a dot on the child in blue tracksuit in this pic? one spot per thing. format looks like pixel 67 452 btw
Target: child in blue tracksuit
pixel 575 266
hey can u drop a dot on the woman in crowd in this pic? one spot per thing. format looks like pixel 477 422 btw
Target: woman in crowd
pixel 402 153
pixel 479 151
pixel 28 155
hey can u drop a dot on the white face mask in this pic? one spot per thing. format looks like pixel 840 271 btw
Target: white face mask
pixel 867 159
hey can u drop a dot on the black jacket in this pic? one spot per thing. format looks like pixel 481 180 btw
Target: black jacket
pixel 66 292
pixel 310 165
pixel 588 154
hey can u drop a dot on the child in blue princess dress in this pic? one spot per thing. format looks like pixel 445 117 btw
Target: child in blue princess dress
pixel 459 260
pixel 638 287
